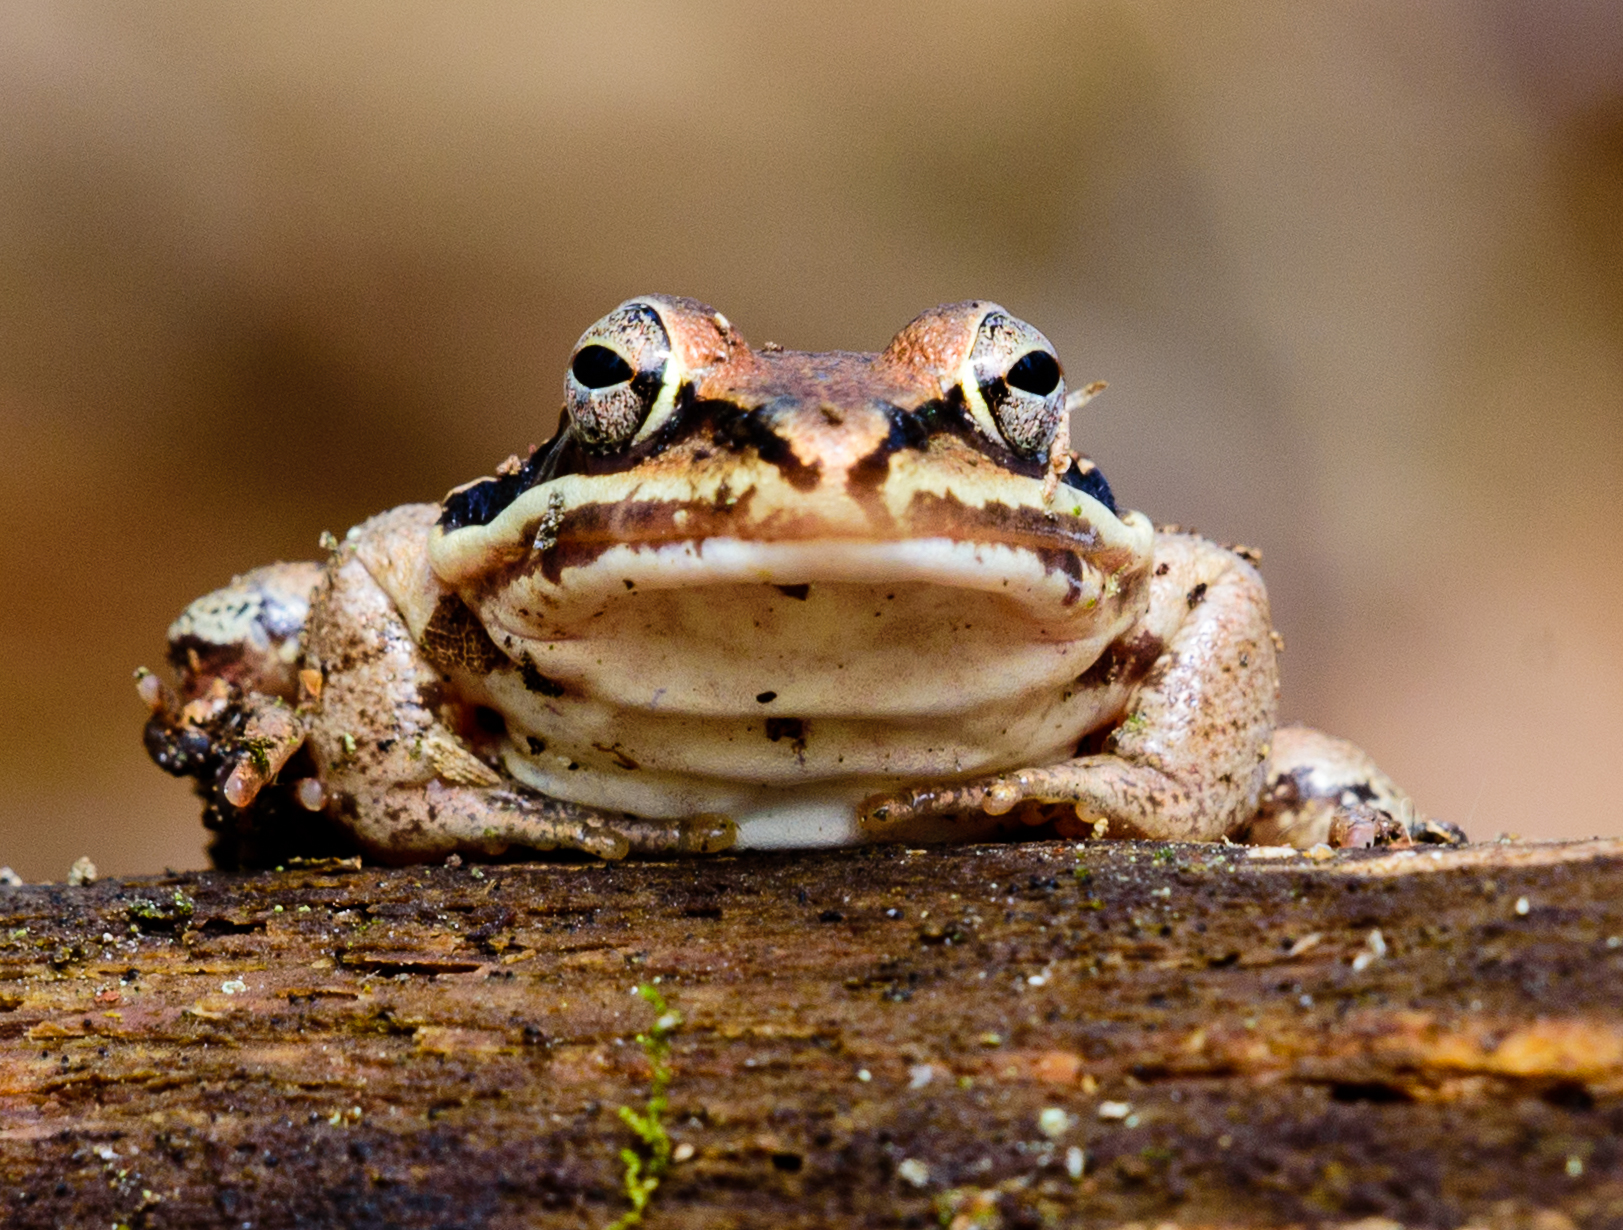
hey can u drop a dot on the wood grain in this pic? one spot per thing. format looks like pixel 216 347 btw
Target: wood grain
pixel 879 1037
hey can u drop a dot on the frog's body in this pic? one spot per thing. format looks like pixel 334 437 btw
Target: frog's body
pixel 764 599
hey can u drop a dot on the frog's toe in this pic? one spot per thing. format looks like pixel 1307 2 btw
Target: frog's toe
pixel 1092 796
pixel 707 833
pixel 484 822
pixel 232 744
pixel 1320 788
pixel 541 824
pixel 271 732
pixel 1428 831
pixel 1351 826
pixel 897 808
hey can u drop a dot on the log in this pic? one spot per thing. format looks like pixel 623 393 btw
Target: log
pixel 1048 1033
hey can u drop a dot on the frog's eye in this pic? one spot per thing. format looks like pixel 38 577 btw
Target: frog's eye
pixel 1014 385
pixel 620 382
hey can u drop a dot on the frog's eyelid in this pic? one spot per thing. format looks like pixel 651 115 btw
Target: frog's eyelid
pixel 976 401
pixel 660 412
pixel 671 376
pixel 968 380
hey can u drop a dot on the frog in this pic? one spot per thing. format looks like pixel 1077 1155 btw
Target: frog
pixel 758 598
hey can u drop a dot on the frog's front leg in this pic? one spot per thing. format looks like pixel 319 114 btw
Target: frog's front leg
pixel 314 725
pixel 233 725
pixel 1186 760
pixel 394 735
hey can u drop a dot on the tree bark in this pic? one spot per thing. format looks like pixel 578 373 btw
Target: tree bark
pixel 1015 1035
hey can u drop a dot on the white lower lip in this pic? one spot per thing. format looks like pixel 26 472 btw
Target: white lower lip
pixel 1014 572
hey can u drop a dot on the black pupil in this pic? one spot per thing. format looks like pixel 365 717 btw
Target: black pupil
pixel 1036 372
pixel 598 367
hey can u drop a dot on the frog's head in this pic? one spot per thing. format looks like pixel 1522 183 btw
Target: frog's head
pixel 685 458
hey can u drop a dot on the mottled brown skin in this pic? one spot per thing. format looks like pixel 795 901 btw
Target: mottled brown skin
pixel 408 691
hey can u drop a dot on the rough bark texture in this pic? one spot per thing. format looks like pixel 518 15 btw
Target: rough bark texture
pixel 878 1037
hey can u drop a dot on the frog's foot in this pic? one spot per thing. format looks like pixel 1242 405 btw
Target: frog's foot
pixel 233 743
pixel 1323 789
pixel 488 821
pixel 235 652
pixel 249 760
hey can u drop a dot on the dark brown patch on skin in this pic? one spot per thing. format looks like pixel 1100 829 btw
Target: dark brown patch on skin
pixel 585 533
pixel 454 639
pixel 742 429
pixel 198 663
pixel 793 729
pixel 1065 562
pixel 1196 596
pixel 433 695
pixel 535 681
pixel 1126 659
pixel 941 426
pixel 536 744
pixel 914 428
pixel 946 516
pixel 696 426
pixel 798 592
pixel 1061 542
pixel 481 501
pixel 785 728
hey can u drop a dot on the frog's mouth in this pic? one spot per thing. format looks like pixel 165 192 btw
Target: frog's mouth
pixel 1048 581
pixel 1065 572
pixel 1001 549
pixel 582 540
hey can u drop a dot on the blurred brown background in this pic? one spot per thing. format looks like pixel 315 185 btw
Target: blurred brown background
pixel 1353 270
